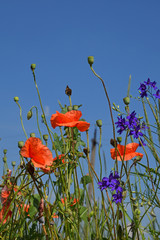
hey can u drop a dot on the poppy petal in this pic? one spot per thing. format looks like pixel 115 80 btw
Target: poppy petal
pixel 129 152
pixel 40 155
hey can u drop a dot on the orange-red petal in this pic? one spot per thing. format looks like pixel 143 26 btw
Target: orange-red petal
pixel 40 155
pixel 69 119
pixel 130 152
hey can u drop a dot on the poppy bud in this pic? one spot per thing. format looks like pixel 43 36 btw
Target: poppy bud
pixel 5 151
pixel 90 60
pixel 86 151
pixel 33 66
pixel 99 123
pixel 16 99
pixel 69 108
pixel 4 159
pixel 119 139
pixel 91 213
pixel 13 163
pixel 68 91
pixel 32 134
pixel 113 143
pixel 45 137
pixel 126 100
pixel 149 203
pixel 138 158
pixel 75 107
pixel 29 114
pixel 20 144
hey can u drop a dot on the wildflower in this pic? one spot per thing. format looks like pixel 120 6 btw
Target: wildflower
pixel 75 200
pixel 121 124
pixel 143 90
pixel 69 119
pixel 157 95
pixel 40 155
pixel 117 197
pixel 125 153
pixel 114 184
pixel 132 120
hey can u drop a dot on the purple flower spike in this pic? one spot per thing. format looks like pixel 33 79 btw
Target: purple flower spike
pixel 117 197
pixel 121 124
pixel 157 95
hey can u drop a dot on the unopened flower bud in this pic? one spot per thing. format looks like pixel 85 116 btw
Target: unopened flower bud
pixel 68 91
pixel 99 123
pixel 33 66
pixel 16 99
pixel 20 144
pixel 75 107
pixel 32 134
pixel 138 158
pixel 90 60
pixel 69 108
pixel 13 163
pixel 4 159
pixel 45 137
pixel 5 151
pixel 29 114
pixel 119 139
pixel 126 100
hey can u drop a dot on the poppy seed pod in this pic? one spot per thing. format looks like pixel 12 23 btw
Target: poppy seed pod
pixel 45 137
pixel 16 99
pixel 119 139
pixel 33 66
pixel 29 115
pixel 137 212
pixel 99 123
pixel 90 60
pixel 20 144
pixel 5 151
pixel 32 134
pixel 13 163
pixel 126 100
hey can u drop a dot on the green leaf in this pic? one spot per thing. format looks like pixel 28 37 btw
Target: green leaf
pixel 85 180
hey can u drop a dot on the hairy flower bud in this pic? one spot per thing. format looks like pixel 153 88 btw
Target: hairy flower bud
pixel 13 163
pixel 16 99
pixel 126 100
pixel 45 137
pixel 29 114
pixel 90 60
pixel 99 123
pixel 20 144
pixel 119 139
pixel 5 151
pixel 32 134
pixel 68 91
pixel 33 66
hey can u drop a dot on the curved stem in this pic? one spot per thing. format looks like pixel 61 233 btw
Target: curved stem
pixel 22 120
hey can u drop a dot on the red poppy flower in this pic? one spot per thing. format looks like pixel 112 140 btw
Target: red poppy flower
pixel 73 203
pixel 69 119
pixel 130 152
pixel 40 155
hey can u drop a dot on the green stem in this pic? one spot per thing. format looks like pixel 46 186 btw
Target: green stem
pixel 21 119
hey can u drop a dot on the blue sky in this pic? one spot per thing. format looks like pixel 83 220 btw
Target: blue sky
pixel 123 36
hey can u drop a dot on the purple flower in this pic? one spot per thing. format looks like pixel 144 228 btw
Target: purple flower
pixel 132 120
pixel 114 184
pixel 136 132
pixel 143 143
pixel 148 82
pixel 153 84
pixel 143 90
pixel 157 95
pixel 117 197
pixel 121 124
